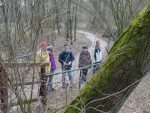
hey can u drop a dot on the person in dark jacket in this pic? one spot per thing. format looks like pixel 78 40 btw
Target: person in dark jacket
pixel 84 60
pixel 97 56
pixel 66 59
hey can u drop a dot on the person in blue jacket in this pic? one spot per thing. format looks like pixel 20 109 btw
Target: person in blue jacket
pixel 66 59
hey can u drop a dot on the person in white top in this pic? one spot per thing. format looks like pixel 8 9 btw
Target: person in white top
pixel 97 56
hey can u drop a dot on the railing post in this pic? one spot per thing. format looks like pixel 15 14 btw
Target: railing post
pixel 43 89
pixel 3 90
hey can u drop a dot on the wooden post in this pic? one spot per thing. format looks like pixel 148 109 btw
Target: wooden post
pixel 43 88
pixel 3 90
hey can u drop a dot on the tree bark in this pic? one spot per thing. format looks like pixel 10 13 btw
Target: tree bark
pixel 3 88
pixel 70 21
pixel 67 23
pixel 127 63
pixel 75 22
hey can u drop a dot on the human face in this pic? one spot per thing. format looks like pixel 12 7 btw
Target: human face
pixel 97 44
pixel 66 48
pixel 52 50
pixel 43 45
pixel 84 49
pixel 44 48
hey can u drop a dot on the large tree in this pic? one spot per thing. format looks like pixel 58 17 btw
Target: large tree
pixel 127 63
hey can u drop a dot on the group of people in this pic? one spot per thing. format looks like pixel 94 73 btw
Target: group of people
pixel 85 61
pixel 66 59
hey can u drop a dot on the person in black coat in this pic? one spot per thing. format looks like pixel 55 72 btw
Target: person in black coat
pixel 66 59
pixel 84 61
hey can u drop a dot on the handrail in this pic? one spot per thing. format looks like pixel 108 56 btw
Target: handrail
pixel 72 70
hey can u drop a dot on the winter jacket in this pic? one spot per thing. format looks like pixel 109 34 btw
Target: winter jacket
pixel 66 57
pixel 52 62
pixel 42 57
pixel 84 59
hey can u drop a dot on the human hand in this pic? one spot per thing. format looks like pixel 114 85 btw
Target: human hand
pixel 69 63
pixel 65 63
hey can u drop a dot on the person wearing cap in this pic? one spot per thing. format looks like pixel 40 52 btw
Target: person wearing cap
pixel 84 60
pixel 50 51
pixel 66 59
pixel 97 56
pixel 42 56
pixel 42 59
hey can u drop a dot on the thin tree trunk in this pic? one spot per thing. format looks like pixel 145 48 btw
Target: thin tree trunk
pixel 126 65
pixel 57 16
pixel 70 21
pixel 75 23
pixel 67 23
pixel 5 8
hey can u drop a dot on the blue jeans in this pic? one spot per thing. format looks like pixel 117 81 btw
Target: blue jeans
pixel 50 84
pixel 64 76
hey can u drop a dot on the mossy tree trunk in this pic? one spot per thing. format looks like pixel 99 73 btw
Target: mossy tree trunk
pixel 126 65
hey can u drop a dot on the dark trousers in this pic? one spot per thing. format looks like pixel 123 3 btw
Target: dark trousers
pixel 83 74
pixel 43 89
pixel 96 66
